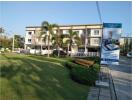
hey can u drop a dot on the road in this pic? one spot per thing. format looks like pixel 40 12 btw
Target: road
pixel 122 78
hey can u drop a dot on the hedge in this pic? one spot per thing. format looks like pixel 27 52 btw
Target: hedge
pixel 83 75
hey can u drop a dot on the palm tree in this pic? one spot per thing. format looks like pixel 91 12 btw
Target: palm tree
pixel 58 40
pixel 72 38
pixel 47 31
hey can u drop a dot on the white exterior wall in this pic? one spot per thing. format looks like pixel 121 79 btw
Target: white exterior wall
pixel 79 31
pixel 93 35
pixel 97 37
pixel 65 30
pixel 28 37
pixel 94 43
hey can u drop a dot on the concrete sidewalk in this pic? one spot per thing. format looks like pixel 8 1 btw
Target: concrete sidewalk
pixel 119 78
pixel 103 92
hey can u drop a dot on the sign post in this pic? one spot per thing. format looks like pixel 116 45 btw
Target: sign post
pixel 110 43
pixel 109 48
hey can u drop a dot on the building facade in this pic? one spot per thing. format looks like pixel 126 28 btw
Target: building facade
pixel 90 35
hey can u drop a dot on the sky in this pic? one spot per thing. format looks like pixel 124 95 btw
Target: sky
pixel 16 15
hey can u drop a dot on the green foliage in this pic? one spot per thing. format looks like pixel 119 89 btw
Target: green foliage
pixel 30 77
pixel 46 26
pixel 86 76
pixel 73 35
pixel 18 41
pixel 8 70
pixel 127 46
pixel 5 42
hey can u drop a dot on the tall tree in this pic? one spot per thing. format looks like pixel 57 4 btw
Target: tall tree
pixel 73 38
pixel 5 42
pixel 19 41
pixel 47 31
pixel 58 40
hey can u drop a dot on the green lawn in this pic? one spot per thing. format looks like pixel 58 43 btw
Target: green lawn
pixel 26 77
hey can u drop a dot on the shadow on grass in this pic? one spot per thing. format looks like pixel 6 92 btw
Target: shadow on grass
pixel 44 79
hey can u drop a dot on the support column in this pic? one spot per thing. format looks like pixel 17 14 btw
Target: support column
pixel 86 40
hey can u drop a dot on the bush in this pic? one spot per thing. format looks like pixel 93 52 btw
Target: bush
pixel 96 67
pixel 83 75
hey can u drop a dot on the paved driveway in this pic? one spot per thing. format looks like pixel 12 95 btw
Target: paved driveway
pixel 122 78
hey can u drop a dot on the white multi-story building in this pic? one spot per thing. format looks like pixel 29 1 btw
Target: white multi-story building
pixel 90 35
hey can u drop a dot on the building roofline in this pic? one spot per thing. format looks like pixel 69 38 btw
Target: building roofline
pixel 67 25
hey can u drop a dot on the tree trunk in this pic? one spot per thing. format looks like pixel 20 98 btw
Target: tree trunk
pixel 48 45
pixel 58 51
pixel 35 48
pixel 41 48
pixel 67 49
pixel 71 49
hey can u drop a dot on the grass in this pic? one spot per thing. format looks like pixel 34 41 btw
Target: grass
pixel 29 77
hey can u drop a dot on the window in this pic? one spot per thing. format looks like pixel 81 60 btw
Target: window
pixel 29 33
pixel 96 41
pixel 88 32
pixel 65 31
pixel 96 32
pixel 29 40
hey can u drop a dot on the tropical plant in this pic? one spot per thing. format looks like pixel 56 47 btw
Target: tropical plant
pixel 47 31
pixel 73 38
pixel 58 41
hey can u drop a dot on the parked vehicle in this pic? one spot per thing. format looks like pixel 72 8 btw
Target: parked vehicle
pixel 62 53
pixel 129 54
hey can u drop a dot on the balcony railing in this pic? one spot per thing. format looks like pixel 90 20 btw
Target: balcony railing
pixel 83 54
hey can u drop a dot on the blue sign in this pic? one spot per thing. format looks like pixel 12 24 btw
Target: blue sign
pixel 110 49
pixel 112 25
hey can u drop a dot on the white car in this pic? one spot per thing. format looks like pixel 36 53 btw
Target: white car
pixel 129 54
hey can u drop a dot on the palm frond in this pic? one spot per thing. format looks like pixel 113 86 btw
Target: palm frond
pixel 55 25
pixel 68 41
pixel 44 26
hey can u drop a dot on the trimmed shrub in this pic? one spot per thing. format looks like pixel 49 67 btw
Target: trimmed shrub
pixel 83 75
pixel 96 68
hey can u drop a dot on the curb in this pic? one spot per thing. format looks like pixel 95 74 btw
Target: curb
pixel 99 92
pixel 112 88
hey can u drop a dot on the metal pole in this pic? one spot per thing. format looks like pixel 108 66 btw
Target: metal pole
pixel 98 9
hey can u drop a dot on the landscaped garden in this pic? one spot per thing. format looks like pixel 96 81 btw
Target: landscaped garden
pixel 30 77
